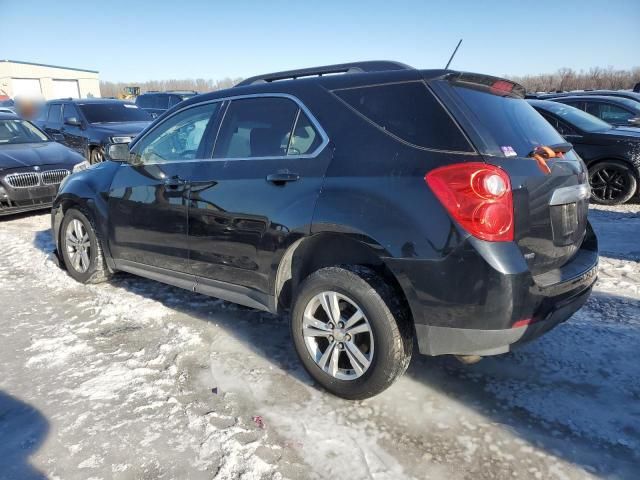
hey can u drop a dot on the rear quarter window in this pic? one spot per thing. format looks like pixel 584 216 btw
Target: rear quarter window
pixel 408 111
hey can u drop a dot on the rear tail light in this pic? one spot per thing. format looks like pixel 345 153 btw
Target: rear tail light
pixel 478 196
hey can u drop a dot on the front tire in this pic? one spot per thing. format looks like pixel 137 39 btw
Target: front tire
pixel 612 182
pixel 81 249
pixel 351 332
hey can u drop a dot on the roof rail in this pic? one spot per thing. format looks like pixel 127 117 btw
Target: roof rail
pixel 354 67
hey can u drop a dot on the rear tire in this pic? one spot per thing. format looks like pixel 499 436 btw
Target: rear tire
pixel 383 336
pixel 612 182
pixel 80 248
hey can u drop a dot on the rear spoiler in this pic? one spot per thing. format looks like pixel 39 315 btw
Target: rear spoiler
pixel 487 83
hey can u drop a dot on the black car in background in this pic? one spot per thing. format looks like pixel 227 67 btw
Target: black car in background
pixel 376 202
pixel 631 95
pixel 89 125
pixel 617 111
pixel 610 153
pixel 156 103
pixel 31 166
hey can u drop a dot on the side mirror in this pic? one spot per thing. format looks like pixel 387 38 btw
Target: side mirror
pixel 73 121
pixel 634 121
pixel 118 152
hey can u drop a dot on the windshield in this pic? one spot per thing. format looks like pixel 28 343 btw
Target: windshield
pixel 576 117
pixel 113 112
pixel 20 131
pixel 510 122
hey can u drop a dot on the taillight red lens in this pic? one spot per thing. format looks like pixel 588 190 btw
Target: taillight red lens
pixel 478 196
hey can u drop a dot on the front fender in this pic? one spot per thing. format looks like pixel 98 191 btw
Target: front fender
pixel 89 191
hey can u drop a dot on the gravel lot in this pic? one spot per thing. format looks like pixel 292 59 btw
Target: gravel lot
pixel 134 379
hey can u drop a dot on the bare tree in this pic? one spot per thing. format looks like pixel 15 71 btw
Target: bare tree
pixel 200 85
pixel 568 79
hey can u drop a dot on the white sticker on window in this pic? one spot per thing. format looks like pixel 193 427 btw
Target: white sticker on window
pixel 508 151
pixel 127 105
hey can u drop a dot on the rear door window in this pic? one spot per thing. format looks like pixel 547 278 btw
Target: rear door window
pixel 256 127
pixel 614 114
pixel 409 112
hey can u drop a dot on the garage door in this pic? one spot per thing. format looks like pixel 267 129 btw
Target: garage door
pixel 26 87
pixel 65 89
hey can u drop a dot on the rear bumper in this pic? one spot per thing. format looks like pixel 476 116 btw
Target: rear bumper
pixel 483 300
pixel 433 340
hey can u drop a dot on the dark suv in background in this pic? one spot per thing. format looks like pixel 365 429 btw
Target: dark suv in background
pixel 89 125
pixel 156 103
pixel 376 202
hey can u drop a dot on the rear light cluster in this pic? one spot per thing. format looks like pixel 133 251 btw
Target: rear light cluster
pixel 478 196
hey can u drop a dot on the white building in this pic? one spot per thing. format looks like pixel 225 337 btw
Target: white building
pixel 48 82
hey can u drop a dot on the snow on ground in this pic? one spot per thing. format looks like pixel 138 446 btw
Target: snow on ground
pixel 135 379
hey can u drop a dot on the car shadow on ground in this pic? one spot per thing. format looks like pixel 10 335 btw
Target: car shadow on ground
pixel 22 430
pixel 574 393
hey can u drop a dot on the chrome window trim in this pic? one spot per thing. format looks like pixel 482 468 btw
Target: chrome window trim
pixel 296 100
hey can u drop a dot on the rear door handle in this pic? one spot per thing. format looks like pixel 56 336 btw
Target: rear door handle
pixel 175 181
pixel 281 178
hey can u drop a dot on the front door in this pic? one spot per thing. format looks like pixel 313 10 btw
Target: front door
pixel 148 199
pixel 257 194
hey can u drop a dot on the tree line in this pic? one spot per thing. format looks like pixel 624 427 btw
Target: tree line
pixel 569 79
pixel 563 79
pixel 200 85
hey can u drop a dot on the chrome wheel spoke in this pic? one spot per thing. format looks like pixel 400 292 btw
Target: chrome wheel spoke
pixel 362 328
pixel 359 356
pixel 354 363
pixel 333 363
pixel 329 301
pixel 322 363
pixel 355 318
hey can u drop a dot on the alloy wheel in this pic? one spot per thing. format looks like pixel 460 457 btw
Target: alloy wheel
pixel 609 183
pixel 78 246
pixel 338 335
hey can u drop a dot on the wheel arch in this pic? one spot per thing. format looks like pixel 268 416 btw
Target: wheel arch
pixel 326 249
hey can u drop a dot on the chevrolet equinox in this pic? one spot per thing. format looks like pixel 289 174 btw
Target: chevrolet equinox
pixel 379 204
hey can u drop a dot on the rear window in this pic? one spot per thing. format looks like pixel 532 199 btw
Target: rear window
pixel 510 122
pixel 408 111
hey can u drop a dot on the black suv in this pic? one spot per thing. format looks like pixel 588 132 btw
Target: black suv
pixel 156 103
pixel 88 125
pixel 377 206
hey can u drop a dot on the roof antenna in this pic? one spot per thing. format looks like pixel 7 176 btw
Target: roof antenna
pixel 453 55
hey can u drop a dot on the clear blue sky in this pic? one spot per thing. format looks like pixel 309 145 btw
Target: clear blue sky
pixel 137 41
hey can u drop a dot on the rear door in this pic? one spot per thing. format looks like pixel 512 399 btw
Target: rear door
pixel 550 197
pixel 148 199
pixel 257 194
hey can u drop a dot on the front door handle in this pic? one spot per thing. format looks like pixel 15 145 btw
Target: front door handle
pixel 175 181
pixel 282 177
